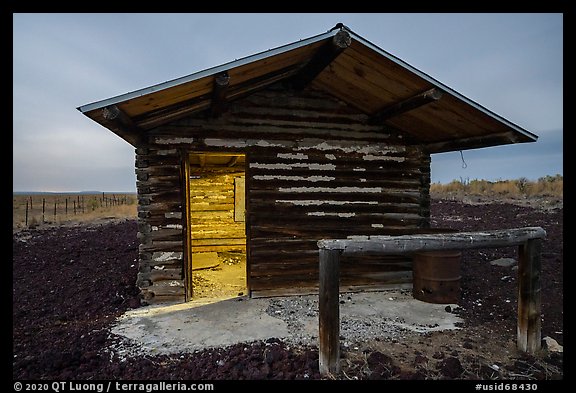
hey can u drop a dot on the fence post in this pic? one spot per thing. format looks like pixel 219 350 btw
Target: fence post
pixel 329 312
pixel 43 208
pixel 26 214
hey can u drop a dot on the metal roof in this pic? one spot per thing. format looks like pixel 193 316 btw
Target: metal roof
pixel 375 82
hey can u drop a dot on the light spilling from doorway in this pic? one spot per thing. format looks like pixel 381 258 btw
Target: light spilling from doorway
pixel 217 225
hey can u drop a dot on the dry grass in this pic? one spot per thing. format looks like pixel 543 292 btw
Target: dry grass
pixel 63 208
pixel 548 186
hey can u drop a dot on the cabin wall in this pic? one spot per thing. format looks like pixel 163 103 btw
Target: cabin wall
pixel 161 224
pixel 314 169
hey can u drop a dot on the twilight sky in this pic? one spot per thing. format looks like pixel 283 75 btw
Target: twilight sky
pixel 512 64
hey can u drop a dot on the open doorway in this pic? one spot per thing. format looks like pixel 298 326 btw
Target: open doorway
pixel 217 230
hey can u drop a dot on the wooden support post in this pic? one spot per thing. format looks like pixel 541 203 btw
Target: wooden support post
pixel 329 312
pixel 529 303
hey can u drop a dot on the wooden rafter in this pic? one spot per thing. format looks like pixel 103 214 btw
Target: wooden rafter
pixel 409 104
pixel 184 108
pixel 221 83
pixel 321 59
pixel 113 113
pixel 122 124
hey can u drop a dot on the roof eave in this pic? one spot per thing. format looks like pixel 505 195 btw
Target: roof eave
pixel 503 138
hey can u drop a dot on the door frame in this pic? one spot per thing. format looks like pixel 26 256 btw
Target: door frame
pixel 187 231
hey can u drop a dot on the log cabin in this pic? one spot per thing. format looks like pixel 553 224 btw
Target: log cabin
pixel 327 137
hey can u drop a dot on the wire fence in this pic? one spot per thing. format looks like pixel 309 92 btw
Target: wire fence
pixel 33 210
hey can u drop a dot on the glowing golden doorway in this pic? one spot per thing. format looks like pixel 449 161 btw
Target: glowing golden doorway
pixel 217 255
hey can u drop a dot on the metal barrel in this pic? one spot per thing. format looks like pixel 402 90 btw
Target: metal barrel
pixel 436 276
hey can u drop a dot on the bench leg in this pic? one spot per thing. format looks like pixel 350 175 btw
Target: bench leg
pixel 329 312
pixel 529 303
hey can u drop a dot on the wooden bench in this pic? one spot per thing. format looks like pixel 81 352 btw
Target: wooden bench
pixel 528 239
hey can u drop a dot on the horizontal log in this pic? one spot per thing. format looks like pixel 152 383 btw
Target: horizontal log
pixel 358 270
pixel 299 207
pixel 162 195
pixel 433 242
pixel 217 232
pixel 266 282
pixel 164 170
pixel 167 288
pixel 170 264
pixel 315 207
pixel 352 171
pixel 162 235
pixel 231 247
pixel 335 148
pixel 159 219
pixel 267 132
pixel 168 179
pixel 389 197
pixel 175 246
pixel 308 114
pixel 207 207
pixel 351 218
pixel 219 242
pixel 325 232
pixel 328 180
pixel 159 208
pixel 165 274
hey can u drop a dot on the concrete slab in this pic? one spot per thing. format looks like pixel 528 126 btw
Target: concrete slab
pixel 200 324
